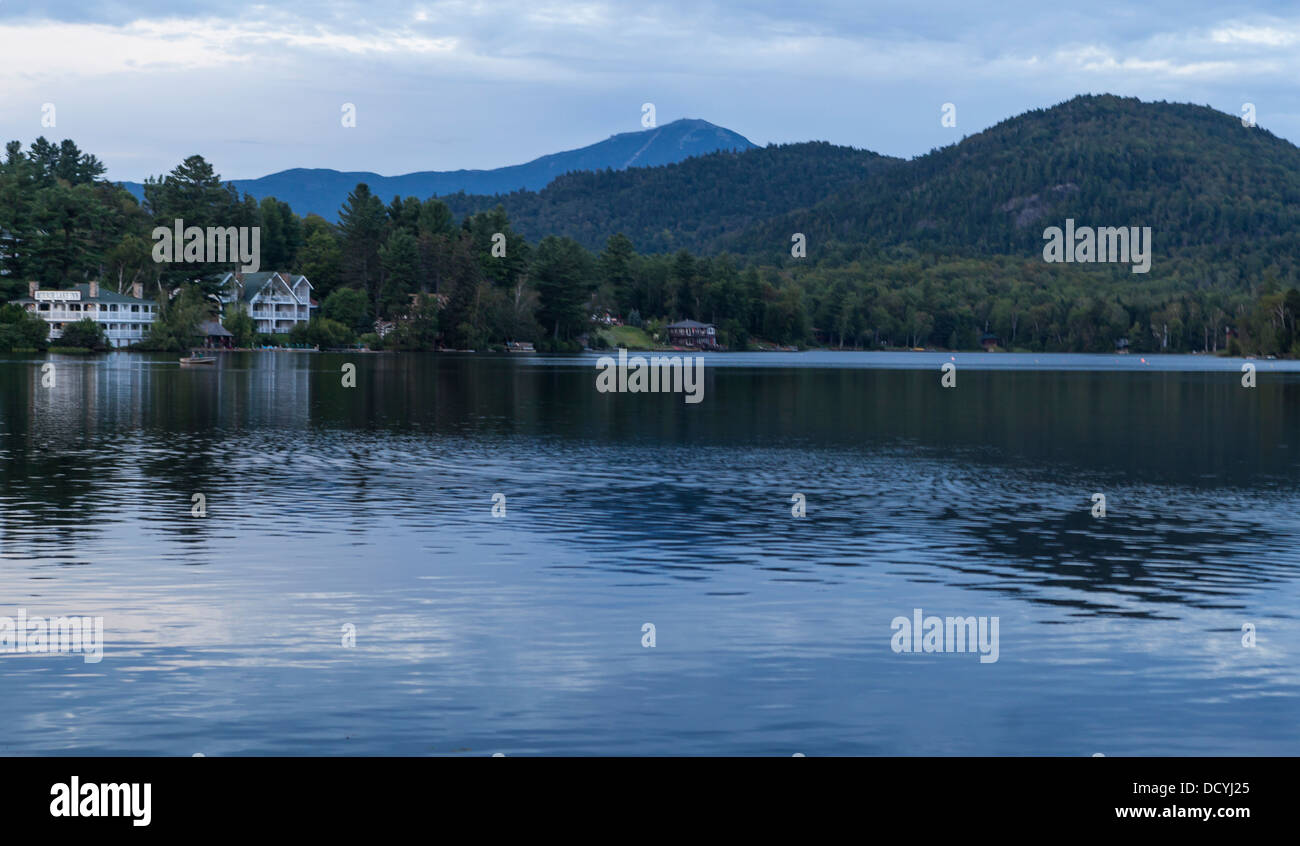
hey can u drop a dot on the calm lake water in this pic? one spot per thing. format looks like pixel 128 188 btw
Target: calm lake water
pixel 372 507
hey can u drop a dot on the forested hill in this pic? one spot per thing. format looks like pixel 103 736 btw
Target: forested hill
pixel 1197 176
pixel 1212 190
pixel 691 205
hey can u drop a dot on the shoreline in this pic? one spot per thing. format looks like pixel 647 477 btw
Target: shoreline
pixel 811 359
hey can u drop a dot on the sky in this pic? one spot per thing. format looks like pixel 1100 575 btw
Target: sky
pixel 256 88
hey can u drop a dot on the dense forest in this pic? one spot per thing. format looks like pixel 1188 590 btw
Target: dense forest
pixel 693 205
pixel 944 250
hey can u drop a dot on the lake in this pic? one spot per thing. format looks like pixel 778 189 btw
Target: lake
pixel 349 589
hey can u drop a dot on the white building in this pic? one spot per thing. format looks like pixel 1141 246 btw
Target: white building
pixel 276 301
pixel 125 320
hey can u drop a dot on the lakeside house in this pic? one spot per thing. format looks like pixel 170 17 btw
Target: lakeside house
pixel 124 319
pixel 990 341
pixel 276 301
pixel 690 333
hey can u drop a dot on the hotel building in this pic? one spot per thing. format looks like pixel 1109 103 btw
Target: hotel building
pixel 125 320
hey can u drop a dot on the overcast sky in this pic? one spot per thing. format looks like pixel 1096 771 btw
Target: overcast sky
pixel 258 88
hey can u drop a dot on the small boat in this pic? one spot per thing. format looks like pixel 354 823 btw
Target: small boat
pixel 197 357
pixel 520 347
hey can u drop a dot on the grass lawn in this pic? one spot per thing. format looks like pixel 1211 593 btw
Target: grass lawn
pixel 627 337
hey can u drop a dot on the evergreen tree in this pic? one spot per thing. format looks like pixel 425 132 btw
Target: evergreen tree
pixel 400 259
pixel 562 273
pixel 363 226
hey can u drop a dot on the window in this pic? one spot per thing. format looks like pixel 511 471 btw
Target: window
pixel 135 308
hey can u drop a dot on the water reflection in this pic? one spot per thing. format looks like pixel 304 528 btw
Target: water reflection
pixel 372 504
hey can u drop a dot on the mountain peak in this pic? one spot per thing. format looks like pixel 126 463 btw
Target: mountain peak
pixel 323 190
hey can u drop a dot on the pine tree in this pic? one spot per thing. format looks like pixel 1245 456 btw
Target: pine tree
pixel 363 225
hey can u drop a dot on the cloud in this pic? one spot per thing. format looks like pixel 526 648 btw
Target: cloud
pixel 52 49
pixel 470 83
pixel 1266 36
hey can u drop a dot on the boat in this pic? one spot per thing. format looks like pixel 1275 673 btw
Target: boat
pixel 520 347
pixel 197 357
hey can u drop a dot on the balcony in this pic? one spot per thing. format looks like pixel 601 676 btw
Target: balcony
pixel 65 316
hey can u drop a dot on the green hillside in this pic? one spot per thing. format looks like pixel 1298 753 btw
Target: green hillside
pixel 693 205
pixel 1208 187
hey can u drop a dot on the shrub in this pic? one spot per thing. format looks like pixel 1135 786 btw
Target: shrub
pixel 22 330
pixel 240 324
pixel 349 307
pixel 322 332
pixel 550 345
pixel 85 333
pixel 734 337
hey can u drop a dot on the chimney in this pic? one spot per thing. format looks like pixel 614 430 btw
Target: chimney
pixel 32 288
pixel 137 290
pixel 94 289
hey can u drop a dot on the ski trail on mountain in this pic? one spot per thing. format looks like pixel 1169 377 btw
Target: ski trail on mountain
pixel 638 153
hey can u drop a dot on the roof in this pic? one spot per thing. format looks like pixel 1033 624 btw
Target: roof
pixel 255 282
pixel 106 295
pixel 213 329
pixel 689 324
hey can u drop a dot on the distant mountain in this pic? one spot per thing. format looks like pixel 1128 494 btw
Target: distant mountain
pixel 322 190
